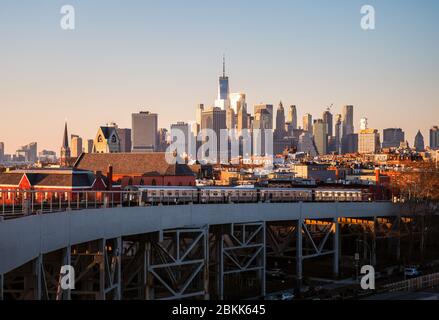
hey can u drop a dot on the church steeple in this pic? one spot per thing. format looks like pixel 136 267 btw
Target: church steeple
pixel 65 141
pixel 65 149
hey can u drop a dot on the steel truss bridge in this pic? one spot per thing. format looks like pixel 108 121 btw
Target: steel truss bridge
pixel 203 251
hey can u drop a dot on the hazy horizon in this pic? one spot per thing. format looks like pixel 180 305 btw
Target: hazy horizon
pixel 166 58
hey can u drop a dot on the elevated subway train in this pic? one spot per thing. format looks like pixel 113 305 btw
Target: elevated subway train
pixel 182 195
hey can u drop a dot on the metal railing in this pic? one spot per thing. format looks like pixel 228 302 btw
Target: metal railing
pixel 15 204
pixel 423 282
pixel 18 203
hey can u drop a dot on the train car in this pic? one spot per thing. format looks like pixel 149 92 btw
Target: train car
pixel 227 194
pixel 285 194
pixel 168 194
pixel 341 195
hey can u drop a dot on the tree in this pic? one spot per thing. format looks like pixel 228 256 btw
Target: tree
pixel 417 188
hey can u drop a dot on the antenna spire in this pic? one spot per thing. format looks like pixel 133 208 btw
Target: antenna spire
pixel 224 65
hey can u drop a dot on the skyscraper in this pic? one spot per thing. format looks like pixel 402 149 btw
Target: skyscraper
pixel 363 123
pixel 198 111
pixel 369 141
pixel 125 139
pixel 181 130
pixel 2 152
pixel 328 119
pixel 89 146
pixel 320 136
pixel 76 143
pixel 223 100
pixel 307 122
pixel 65 149
pixel 348 120
pixel 434 138
pixel 306 144
pixel 230 118
pixel 392 137
pixel 419 142
pixel 215 120
pixel 280 122
pixel 242 119
pixel 347 127
pixel 292 117
pixel 162 140
pixel 237 101
pixel 144 131
pixel 269 108
pixel 338 133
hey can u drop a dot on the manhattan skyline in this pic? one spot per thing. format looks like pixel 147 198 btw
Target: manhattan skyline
pixel 166 58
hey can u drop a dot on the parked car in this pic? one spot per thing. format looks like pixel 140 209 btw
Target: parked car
pixel 412 271
pixel 287 296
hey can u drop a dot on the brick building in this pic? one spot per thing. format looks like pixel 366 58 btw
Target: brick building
pixel 137 169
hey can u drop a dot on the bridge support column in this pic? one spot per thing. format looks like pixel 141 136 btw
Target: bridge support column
pixel 299 253
pixel 148 278
pixel 374 242
pixel 118 268
pixel 66 260
pixel 101 260
pixel 178 264
pixel 2 280
pixel 242 260
pixel 336 246
pixel 39 277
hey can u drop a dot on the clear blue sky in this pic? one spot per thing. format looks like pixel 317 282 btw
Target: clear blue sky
pixel 165 56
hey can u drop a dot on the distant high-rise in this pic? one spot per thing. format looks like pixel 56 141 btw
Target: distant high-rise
pixel 162 140
pixel 269 108
pixel 262 119
pixel 348 120
pixel 89 146
pixel 181 130
pixel 338 133
pixel 328 119
pixel 320 136
pixel 306 144
pixel 65 154
pixel 144 131
pixel 198 111
pixel 369 141
pixel 125 139
pixel 347 127
pixel 419 142
pixel 27 153
pixel 242 119
pixel 230 118
pixel 2 152
pixel 76 143
pixel 237 101
pixel 292 117
pixel 223 100
pixel 307 122
pixel 434 138
pixel 363 123
pixel 280 122
pixel 392 137
pixel 47 156
pixel 213 119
